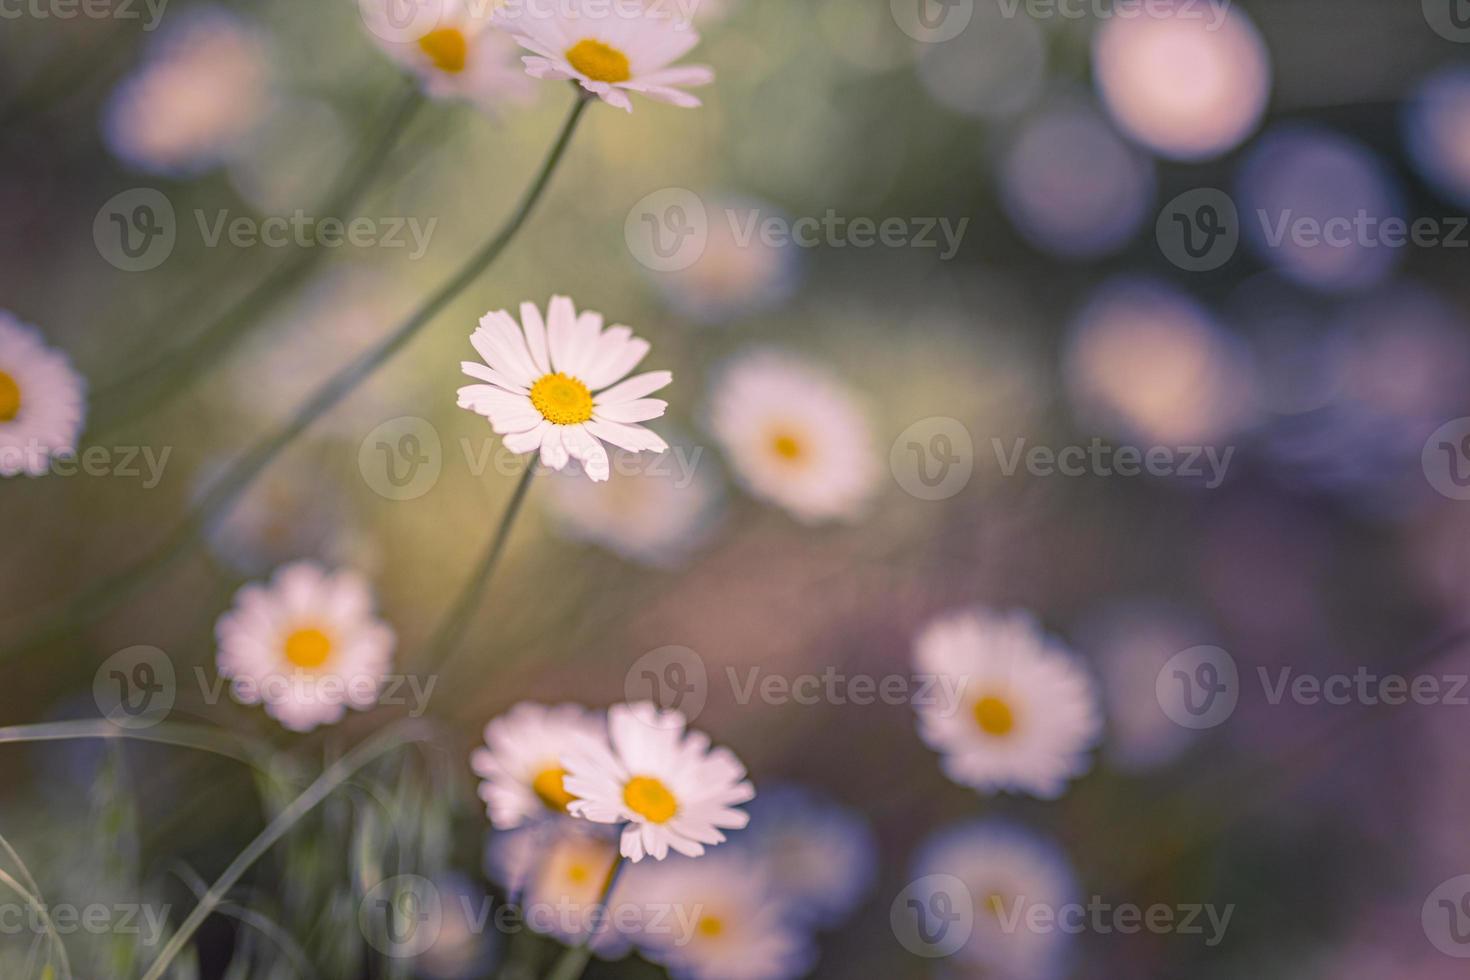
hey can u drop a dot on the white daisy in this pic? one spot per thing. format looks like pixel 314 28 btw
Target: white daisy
pixel 609 49
pixel 795 436
pixel 553 386
pixel 1027 712
pixel 718 920
pixel 1007 871
pixel 556 871
pixel 42 401
pixel 307 645
pixel 453 49
pixel 521 765
pixel 667 784
pixel 203 89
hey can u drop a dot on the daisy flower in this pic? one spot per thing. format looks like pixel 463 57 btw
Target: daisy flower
pixel 665 783
pixel 521 761
pixel 720 921
pixel 556 872
pixel 795 436
pixel 202 91
pixel 307 645
pixel 608 50
pixel 42 401
pixel 1007 871
pixel 557 386
pixel 1028 711
pixel 453 49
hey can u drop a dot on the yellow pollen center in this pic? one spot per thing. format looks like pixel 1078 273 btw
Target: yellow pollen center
pixel 446 48
pixel 550 786
pixel 562 399
pixel 308 648
pixel 599 62
pixel 995 904
pixel 994 716
pixel 9 397
pixel 579 874
pixel 650 799
pixel 710 926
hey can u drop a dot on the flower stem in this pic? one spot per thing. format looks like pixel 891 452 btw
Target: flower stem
pixel 96 600
pixel 252 752
pixel 570 964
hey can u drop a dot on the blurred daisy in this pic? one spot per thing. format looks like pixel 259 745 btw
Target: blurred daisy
pixel 822 857
pixel 556 873
pixel 547 386
pixel 655 512
pixel 521 761
pixel 794 436
pixel 203 89
pixel 452 48
pixel 1025 712
pixel 725 922
pixel 608 50
pixel 307 645
pixel 1437 131
pixel 42 401
pixel 665 783
pixel 1007 871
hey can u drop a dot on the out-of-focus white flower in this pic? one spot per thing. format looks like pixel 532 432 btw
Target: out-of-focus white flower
pixel 42 401
pixel 463 949
pixel 307 645
pixel 457 53
pixel 1190 81
pixel 1024 713
pixel 556 872
pixel 795 436
pixel 608 49
pixel 204 87
pixel 1437 131
pixel 1007 871
pixel 670 788
pixel 521 761
pixel 553 386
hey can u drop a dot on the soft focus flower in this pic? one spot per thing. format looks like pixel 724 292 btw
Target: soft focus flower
pixel 1437 131
pixel 1025 712
pixel 307 645
pixel 794 436
pixel 1008 871
pixel 608 50
pixel 556 873
pixel 42 401
pixel 521 761
pixel 667 784
pixel 1188 80
pixel 453 48
pixel 547 388
pixel 203 89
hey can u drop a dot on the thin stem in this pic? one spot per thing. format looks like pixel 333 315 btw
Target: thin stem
pixel 570 964
pixel 452 627
pixel 338 773
pixel 52 936
pixel 231 746
pixel 98 599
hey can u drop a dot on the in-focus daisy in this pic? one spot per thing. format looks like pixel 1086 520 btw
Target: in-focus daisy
pixel 1025 712
pixel 556 872
pixel 795 436
pixel 521 761
pixel 452 48
pixel 609 49
pixel 667 784
pixel 202 91
pixel 718 919
pixel 42 401
pixel 557 386
pixel 1007 871
pixel 307 645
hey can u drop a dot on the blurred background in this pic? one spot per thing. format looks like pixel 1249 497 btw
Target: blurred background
pixel 1116 190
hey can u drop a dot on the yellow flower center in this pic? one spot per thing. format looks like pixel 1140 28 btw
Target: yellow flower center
pixel 9 397
pixel 994 716
pixel 550 786
pixel 562 399
pixel 308 648
pixel 650 799
pixel 710 926
pixel 447 48
pixel 599 62
pixel 578 874
pixel 787 446
pixel 995 904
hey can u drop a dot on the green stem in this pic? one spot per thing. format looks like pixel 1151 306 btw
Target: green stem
pixel 98 599
pixel 570 964
pixel 338 773
pixel 231 746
